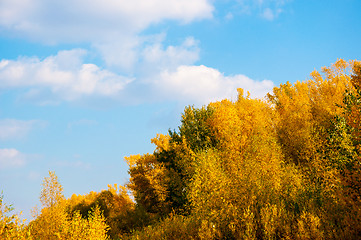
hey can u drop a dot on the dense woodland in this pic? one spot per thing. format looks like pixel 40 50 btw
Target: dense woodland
pixel 283 167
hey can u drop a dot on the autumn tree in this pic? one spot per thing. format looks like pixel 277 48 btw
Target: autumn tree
pixel 115 205
pixel 52 214
pixel 52 192
pixel 343 151
pixel 54 222
pixel 236 188
pixel 284 167
pixel 160 180
pixel 11 227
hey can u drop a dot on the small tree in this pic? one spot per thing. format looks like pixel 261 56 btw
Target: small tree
pixel 52 192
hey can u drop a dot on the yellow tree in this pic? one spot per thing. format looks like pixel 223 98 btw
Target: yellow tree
pixel 114 203
pixel 53 222
pixel 48 223
pixel 11 227
pixel 52 192
pixel 93 227
pixel 312 136
pixel 305 110
pixel 236 188
pixel 344 150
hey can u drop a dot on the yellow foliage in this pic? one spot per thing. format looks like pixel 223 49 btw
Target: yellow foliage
pixel 88 229
pixel 53 222
pixel 161 142
pixel 132 160
pixel 11 227
pixel 148 181
pixel 309 227
pixel 52 192
pixel 285 168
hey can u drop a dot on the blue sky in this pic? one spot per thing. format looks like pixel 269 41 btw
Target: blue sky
pixel 84 83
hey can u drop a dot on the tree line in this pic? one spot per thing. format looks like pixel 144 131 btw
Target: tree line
pixel 283 167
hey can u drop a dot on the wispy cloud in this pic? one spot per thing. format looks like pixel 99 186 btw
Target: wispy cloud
pixel 271 14
pixel 113 28
pixel 15 129
pixel 11 158
pixel 267 9
pixel 96 20
pixel 157 57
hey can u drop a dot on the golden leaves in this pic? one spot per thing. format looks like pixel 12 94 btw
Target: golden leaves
pixel 52 192
pixel 161 142
pixel 250 169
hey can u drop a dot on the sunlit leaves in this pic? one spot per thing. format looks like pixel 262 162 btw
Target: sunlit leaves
pixel 285 168
pixel 54 222
pixel 11 227
pixel 52 192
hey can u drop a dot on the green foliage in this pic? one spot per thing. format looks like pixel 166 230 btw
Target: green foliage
pixel 195 128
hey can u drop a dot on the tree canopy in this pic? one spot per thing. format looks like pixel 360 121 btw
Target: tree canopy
pixel 283 167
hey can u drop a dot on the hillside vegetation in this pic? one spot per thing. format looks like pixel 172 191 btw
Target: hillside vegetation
pixel 284 167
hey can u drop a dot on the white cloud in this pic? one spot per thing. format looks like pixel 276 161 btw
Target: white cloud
pixel 10 157
pixel 121 52
pixel 111 27
pixel 14 129
pixel 165 73
pixel 147 52
pixel 64 75
pixel 267 9
pixel 92 20
pixel 229 16
pixel 156 57
pixel 201 85
pixel 268 14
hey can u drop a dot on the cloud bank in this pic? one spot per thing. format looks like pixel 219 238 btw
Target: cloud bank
pixel 68 79
pixel 64 75
pixel 96 20
pixel 136 66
